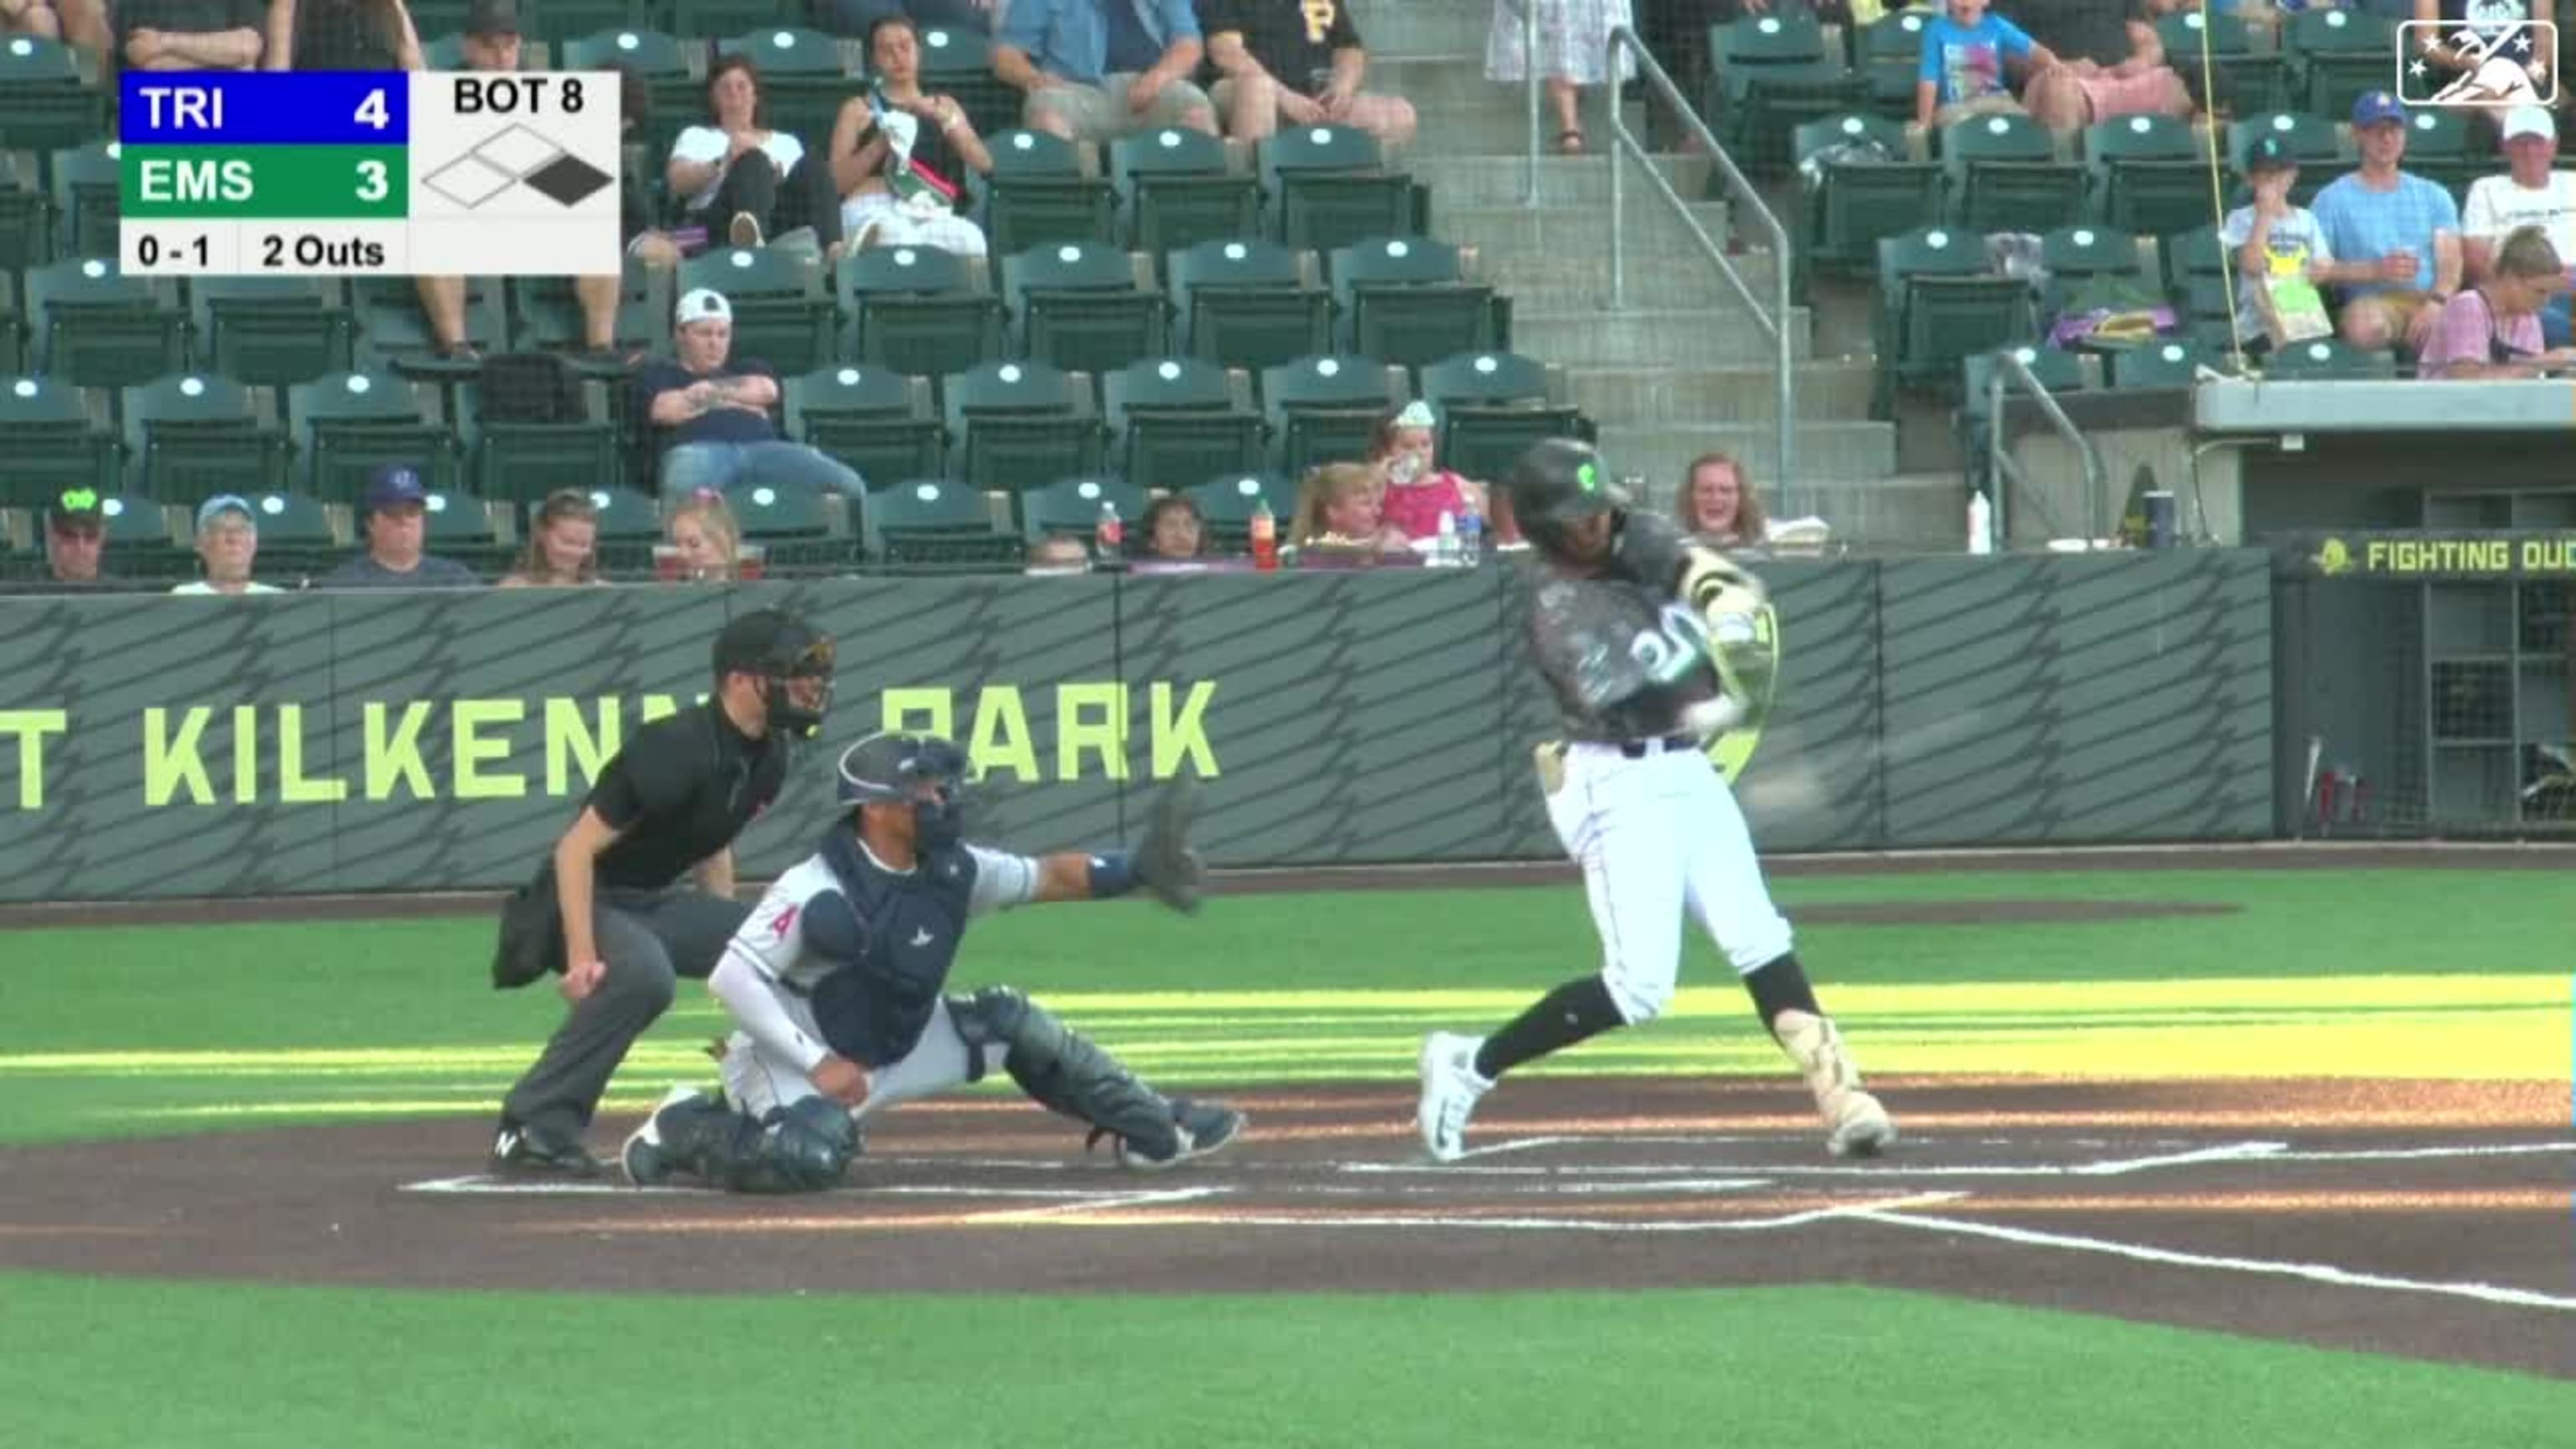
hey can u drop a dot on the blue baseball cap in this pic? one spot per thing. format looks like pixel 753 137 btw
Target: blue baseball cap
pixel 2373 108
pixel 393 485
pixel 221 504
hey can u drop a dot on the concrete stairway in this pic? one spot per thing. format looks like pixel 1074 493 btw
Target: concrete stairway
pixel 1684 368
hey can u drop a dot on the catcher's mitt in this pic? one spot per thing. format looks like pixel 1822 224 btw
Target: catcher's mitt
pixel 1165 865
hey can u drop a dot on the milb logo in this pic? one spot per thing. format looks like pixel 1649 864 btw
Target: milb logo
pixel 2488 59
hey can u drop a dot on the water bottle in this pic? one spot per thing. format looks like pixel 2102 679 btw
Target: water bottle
pixel 1265 539
pixel 1444 547
pixel 1112 533
pixel 1471 536
pixel 1981 523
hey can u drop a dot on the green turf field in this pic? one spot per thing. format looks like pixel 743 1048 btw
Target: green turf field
pixel 2393 973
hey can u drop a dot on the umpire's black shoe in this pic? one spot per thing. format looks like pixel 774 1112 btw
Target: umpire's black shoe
pixel 536 1152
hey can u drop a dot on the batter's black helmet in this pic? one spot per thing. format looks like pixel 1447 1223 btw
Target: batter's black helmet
pixel 776 646
pixel 1556 482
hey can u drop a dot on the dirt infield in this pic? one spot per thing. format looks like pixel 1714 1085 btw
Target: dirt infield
pixel 2425 1219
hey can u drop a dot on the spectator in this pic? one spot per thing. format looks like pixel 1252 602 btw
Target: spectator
pixel 1413 489
pixel 2493 328
pixel 1967 63
pixel 1173 529
pixel 341 35
pixel 563 544
pixel 1573 52
pixel 2110 63
pixel 2531 193
pixel 704 544
pixel 1298 61
pixel 30 17
pixel 1056 555
pixel 858 18
pixel 396 527
pixel 227 542
pixel 189 34
pixel 2274 236
pixel 492 45
pixel 1337 508
pixel 716 409
pixel 76 541
pixel 2395 236
pixel 901 158
pixel 1716 503
pixel 738 172
pixel 1095 70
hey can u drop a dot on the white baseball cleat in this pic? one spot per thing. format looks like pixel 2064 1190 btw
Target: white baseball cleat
pixel 1863 1128
pixel 1856 1125
pixel 1450 1087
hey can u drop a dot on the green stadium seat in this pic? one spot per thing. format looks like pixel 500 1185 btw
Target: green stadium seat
pixel 1177 421
pixel 679 97
pixel 2147 175
pixel 1040 193
pixel 711 18
pixel 550 430
pixel 2004 174
pixel 918 311
pixel 87 188
pixel 782 314
pixel 1175 192
pixel 1084 308
pixel 1072 506
pixel 1890 61
pixel 545 313
pixel 2317 142
pixel 299 535
pixel 393 330
pixel 799 527
pixel 94 327
pixel 1326 409
pixel 2192 254
pixel 1407 300
pixel 2437 149
pixel 630 525
pixel 959 64
pixel 1771 74
pixel 51 98
pixel 2328 357
pixel 26 217
pixel 932 524
pixel 1227 505
pixel 562 23
pixel 2166 363
pixel 1021 425
pixel 1851 206
pixel 2334 56
pixel 54 443
pixel 805 75
pixel 1250 304
pixel 1938 305
pixel 468 530
pixel 2252 78
pixel 191 436
pixel 877 421
pixel 272 332
pixel 1328 186
pixel 1493 407
pixel 349 424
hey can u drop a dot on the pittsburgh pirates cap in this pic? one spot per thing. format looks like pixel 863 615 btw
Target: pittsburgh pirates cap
pixel 705 304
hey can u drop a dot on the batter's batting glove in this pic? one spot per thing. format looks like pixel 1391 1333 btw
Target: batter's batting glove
pixel 1164 863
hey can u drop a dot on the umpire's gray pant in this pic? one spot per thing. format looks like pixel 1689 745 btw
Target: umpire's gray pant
pixel 649 940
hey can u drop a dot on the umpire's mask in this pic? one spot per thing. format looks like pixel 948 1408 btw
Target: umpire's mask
pixel 793 661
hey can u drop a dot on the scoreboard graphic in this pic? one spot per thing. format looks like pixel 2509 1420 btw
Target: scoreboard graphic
pixel 357 173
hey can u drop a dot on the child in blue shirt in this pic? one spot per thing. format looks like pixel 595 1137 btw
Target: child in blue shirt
pixel 1965 52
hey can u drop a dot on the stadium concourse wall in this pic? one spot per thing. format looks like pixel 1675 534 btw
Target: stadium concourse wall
pixel 310 743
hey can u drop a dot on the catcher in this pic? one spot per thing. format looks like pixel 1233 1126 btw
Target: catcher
pixel 836 983
pixel 1654 646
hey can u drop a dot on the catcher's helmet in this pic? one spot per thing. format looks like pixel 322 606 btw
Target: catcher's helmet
pixel 887 768
pixel 1554 483
pixel 776 646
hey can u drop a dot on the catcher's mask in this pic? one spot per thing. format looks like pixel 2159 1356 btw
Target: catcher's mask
pixel 791 659
pixel 890 769
pixel 1556 483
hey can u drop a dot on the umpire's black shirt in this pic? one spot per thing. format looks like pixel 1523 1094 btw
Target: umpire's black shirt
pixel 680 791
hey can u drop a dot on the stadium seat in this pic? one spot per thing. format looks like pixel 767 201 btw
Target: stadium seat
pixel 1073 505
pixel 1177 421
pixel 191 436
pixel 1175 192
pixel 1084 308
pixel 299 535
pixel 272 332
pixel 805 75
pixel 1039 192
pixel 2328 358
pixel 87 199
pixel 1021 425
pixel 1891 60
pixel 1938 305
pixel 678 96
pixel 54 443
pixel 2335 55
pixel 2080 260
pixel 468 530
pixel 1771 74
pixel 1850 206
pixel 2195 253
pixel 94 327
pixel 918 311
pixel 147 538
pixel 2251 79
pixel 1407 300
pixel 1493 406
pixel 393 330
pixel 2318 143
pixel 1328 186
pixel 1226 507
pixel 546 315
pixel 531 426
pixel 2166 363
pixel 1326 409
pixel 349 424
pixel 797 525
pixel 877 421
pixel 1250 304
pixel 2146 175
pixel 781 313
pixel 50 96
pixel 563 23
pixel 26 217
pixel 959 64
pixel 630 524
pixel 710 18
pixel 2004 175
pixel 931 524
pixel 13 331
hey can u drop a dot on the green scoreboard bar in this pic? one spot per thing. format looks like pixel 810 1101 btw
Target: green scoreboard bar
pixel 369 174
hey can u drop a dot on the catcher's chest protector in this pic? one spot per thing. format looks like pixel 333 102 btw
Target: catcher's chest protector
pixel 874 1010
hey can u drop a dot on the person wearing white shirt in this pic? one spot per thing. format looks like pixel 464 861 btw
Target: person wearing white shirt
pixel 744 181
pixel 2530 193
pixel 227 542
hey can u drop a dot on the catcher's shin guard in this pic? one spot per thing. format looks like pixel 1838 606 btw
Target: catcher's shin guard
pixel 1065 1071
pixel 803 1147
pixel 1855 1124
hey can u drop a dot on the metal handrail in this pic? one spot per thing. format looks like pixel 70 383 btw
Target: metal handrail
pixel 1529 77
pixel 1741 194
pixel 2000 464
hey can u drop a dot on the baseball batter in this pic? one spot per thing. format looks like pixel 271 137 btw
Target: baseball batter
pixel 1652 644
pixel 836 984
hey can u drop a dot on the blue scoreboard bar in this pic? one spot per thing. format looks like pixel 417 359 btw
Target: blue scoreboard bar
pixel 264 108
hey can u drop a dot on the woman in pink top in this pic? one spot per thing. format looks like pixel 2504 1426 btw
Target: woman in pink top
pixel 2493 328
pixel 1416 489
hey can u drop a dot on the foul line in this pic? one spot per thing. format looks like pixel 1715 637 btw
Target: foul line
pixel 1893 1216
pixel 1259 1219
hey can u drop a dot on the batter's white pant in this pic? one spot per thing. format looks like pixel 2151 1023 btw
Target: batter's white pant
pixel 1656 836
pixel 756 1081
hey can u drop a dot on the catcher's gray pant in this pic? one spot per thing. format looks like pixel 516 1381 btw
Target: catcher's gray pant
pixel 757 1081
pixel 649 940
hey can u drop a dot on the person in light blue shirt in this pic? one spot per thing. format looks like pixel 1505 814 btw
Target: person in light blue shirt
pixel 1968 55
pixel 1096 70
pixel 2395 235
